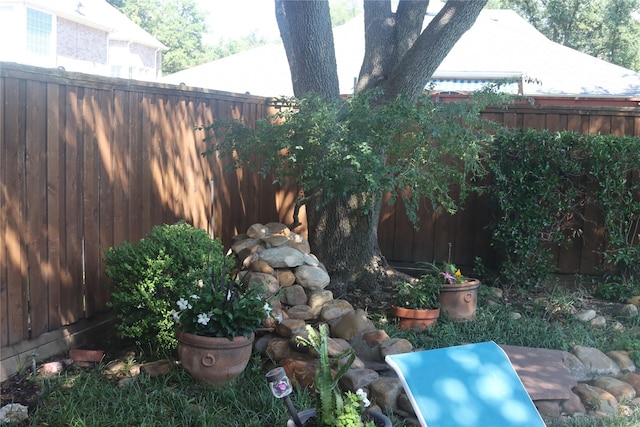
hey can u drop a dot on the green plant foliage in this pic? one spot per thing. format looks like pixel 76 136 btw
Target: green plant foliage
pixel 419 295
pixel 542 182
pixel 360 146
pixel 150 275
pixel 332 409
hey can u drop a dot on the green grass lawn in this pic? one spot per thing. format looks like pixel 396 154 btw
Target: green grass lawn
pixel 86 397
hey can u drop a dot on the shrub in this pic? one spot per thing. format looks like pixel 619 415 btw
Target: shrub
pixel 149 276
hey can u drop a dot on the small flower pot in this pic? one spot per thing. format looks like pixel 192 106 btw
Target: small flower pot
pixel 307 417
pixel 459 302
pixel 415 319
pixel 214 360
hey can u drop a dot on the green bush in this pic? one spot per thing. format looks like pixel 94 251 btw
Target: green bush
pixel 149 276
pixel 542 182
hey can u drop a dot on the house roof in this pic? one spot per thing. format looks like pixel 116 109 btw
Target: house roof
pixel 500 45
pixel 96 14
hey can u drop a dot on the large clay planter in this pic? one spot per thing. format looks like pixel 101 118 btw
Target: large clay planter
pixel 459 301
pixel 378 418
pixel 415 319
pixel 214 360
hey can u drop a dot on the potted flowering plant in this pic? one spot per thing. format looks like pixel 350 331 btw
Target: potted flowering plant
pixel 416 303
pixel 458 296
pixel 216 327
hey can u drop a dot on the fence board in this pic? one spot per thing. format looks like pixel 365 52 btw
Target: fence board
pixel 16 228
pixel 54 184
pixel 36 191
pixel 91 205
pixel 72 290
pixel 4 200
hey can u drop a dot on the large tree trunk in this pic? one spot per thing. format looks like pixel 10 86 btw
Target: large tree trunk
pixel 343 235
pixel 399 58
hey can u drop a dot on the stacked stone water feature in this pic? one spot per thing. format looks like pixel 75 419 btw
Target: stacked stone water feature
pixel 281 263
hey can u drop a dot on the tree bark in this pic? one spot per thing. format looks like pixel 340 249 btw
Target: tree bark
pixel 305 29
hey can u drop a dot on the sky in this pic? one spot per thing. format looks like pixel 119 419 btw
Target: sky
pixel 236 18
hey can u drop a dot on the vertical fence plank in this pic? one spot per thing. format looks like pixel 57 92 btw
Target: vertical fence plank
pixel 121 165
pixel 54 177
pixel 148 135
pixel 36 190
pixel 4 200
pixel 72 288
pixel 15 198
pixel 91 203
pixel 105 131
pixel 137 166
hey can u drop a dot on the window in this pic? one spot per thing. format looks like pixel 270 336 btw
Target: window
pixel 39 32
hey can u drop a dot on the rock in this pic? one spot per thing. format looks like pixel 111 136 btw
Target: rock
pixel 596 362
pixel 621 390
pixel 633 380
pixel 261 342
pixel 260 266
pixel 247 246
pixel 157 368
pixel 337 346
pixel 301 371
pixel 311 260
pixel 289 327
pixel 629 310
pixel 300 243
pixel 623 360
pixel 598 322
pixel 320 298
pixel 573 405
pixel 354 379
pixel 286 278
pixel 385 391
pixel 282 257
pixel 395 346
pixel 404 403
pixel 598 401
pixel 515 315
pixel 51 369
pixel 256 231
pixel 278 349
pixel 265 283
pixel 278 229
pixel 367 345
pixel 80 355
pixel 13 413
pixel 495 292
pixel 576 367
pixel 352 324
pixel 311 277
pixel 274 240
pixel 549 408
pixel 301 312
pixel 586 315
pixel 334 309
pixel 293 295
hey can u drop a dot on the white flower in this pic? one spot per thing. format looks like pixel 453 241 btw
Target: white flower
pixel 267 307
pixel 176 316
pixel 363 397
pixel 203 318
pixel 228 294
pixel 194 296
pixel 183 304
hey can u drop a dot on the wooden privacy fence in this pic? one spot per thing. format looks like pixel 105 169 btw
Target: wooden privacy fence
pixel 88 162
pixel 464 236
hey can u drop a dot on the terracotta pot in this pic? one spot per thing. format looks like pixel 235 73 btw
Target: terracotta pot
pixel 378 418
pixel 214 360
pixel 459 301
pixel 415 319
